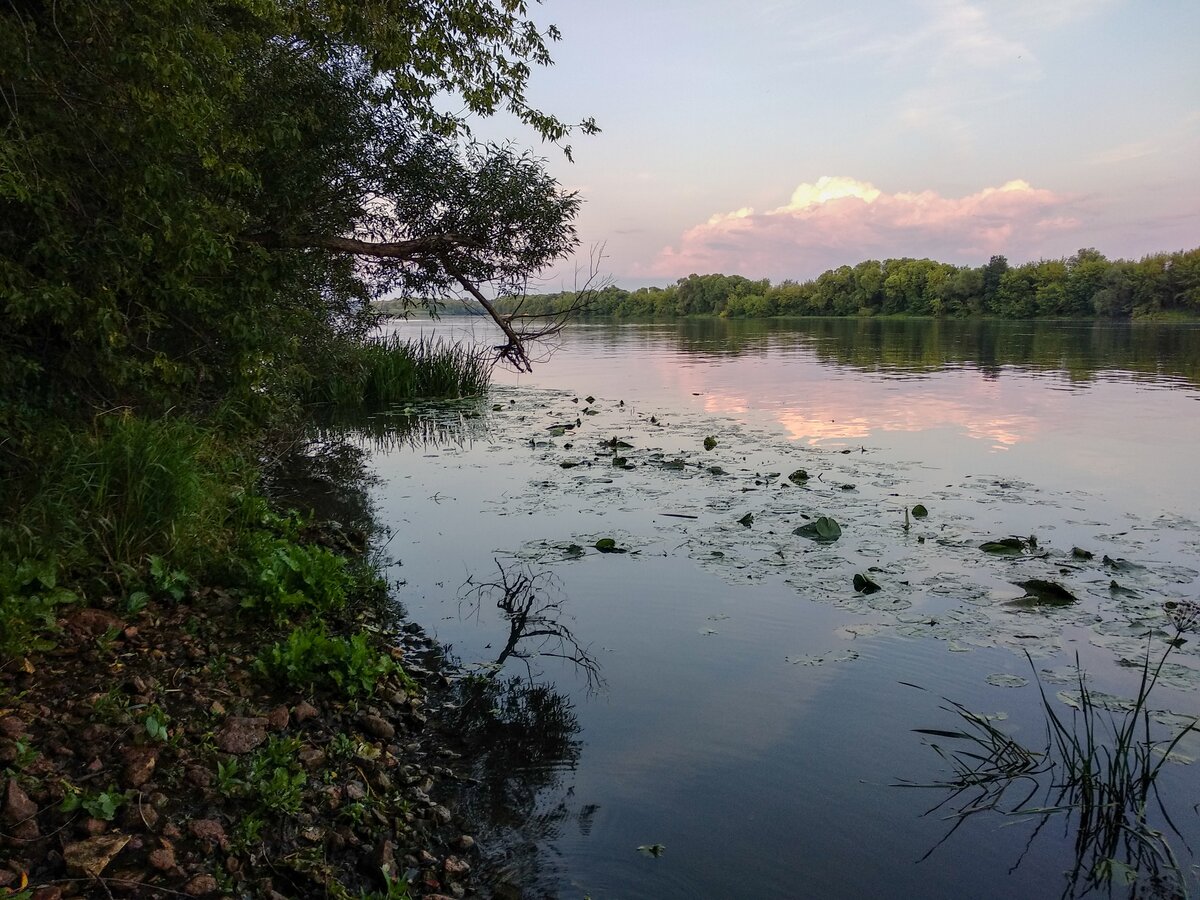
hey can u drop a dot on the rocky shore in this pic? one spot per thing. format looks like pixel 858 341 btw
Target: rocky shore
pixel 145 755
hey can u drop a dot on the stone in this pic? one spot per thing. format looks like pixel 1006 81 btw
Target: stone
pixel 241 734
pixel 20 813
pixel 47 892
pixel 379 727
pixel 162 859
pixel 277 718
pixel 93 622
pixel 455 868
pixel 200 885
pixel 442 814
pixel 12 727
pixel 209 831
pixel 91 857
pixel 94 826
pixel 305 711
pixel 139 763
pixel 465 842
pixel 311 757
pixel 355 791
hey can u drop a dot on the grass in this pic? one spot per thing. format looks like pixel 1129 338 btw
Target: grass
pixel 392 370
pixel 1098 769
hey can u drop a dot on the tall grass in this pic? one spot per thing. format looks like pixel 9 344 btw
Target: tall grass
pixel 1098 771
pixel 122 491
pixel 393 370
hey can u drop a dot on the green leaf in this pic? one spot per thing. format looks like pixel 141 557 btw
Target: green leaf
pixel 864 585
pixel 919 511
pixel 1004 546
pixel 710 443
pixel 747 520
pixel 655 850
pixel 822 529
pixel 1039 592
pixel 608 545
pixel 800 476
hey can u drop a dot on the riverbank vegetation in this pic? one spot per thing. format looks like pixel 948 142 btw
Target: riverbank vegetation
pixel 198 201
pixel 1085 285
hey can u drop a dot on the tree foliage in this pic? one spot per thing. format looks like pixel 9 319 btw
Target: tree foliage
pixel 198 198
pixel 1086 284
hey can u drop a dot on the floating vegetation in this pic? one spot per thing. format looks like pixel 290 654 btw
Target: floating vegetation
pixel 822 528
pixel 919 511
pixel 865 585
pixel 1040 592
pixel 800 476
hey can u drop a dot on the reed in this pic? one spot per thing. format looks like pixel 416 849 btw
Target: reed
pixel 393 370
pixel 1098 769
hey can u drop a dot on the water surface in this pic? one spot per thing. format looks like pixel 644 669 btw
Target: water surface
pixel 741 704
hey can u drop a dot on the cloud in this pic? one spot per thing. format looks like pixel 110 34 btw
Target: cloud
pixel 837 220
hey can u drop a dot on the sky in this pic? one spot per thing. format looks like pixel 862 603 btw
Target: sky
pixel 777 139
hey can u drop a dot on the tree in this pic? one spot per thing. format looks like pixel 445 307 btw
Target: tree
pixel 198 198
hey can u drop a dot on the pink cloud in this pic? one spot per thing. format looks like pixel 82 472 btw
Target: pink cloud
pixel 839 220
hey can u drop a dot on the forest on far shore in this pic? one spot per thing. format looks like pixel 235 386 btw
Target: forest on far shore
pixel 1087 284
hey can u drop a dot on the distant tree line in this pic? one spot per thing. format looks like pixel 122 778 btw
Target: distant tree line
pixel 1085 285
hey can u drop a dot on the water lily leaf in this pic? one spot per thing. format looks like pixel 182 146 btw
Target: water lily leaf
pixel 919 511
pixel 1080 553
pixel 847 487
pixel 591 412
pixel 655 850
pixel 1003 679
pixel 747 520
pixel 800 476
pixel 1040 592
pixel 820 529
pixel 715 470
pixel 1119 590
pixel 608 545
pixel 1009 546
pixel 865 585
pixel 557 430
pixel 589 399
pixel 566 464
pixel 573 550
pixel 1121 565
pixel 710 442
pixel 674 464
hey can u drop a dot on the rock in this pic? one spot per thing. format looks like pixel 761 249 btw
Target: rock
pixel 379 727
pixel 94 826
pixel 201 778
pixel 383 858
pixel 356 791
pixel 139 765
pixel 47 892
pixel 209 831
pixel 455 868
pixel 92 856
pixel 465 842
pixel 200 885
pixel 240 734
pixel 277 718
pixel 20 813
pixel 442 814
pixel 162 859
pixel 93 622
pixel 311 758
pixel 12 727
pixel 305 711
pixel 217 708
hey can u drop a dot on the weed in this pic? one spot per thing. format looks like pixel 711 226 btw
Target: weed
pixel 156 724
pixel 29 600
pixel 1099 770
pixel 103 805
pixel 342 747
pixel 283 578
pixel 311 657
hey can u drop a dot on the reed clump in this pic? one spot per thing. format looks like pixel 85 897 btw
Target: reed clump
pixel 391 370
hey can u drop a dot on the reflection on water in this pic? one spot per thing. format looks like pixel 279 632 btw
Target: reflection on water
pixel 763 776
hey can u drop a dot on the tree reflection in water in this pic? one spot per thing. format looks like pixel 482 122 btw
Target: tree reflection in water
pixel 524 733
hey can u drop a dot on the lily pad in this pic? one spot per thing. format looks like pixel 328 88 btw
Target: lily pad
pixel 865 585
pixel 1121 565
pixel 747 520
pixel 655 850
pixel 1009 546
pixel 822 528
pixel 919 511
pixel 1040 592
pixel 715 470
pixel 674 464
pixel 800 476
pixel 566 464
pixel 608 545
pixel 1079 553
pixel 710 442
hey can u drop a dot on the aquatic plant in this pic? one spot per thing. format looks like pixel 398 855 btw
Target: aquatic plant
pixel 1098 769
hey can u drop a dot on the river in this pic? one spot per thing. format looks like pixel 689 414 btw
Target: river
pixel 715 690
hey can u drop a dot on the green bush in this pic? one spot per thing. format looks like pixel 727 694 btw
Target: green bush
pixel 310 657
pixel 29 599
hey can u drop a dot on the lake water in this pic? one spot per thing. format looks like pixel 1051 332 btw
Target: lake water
pixel 721 688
